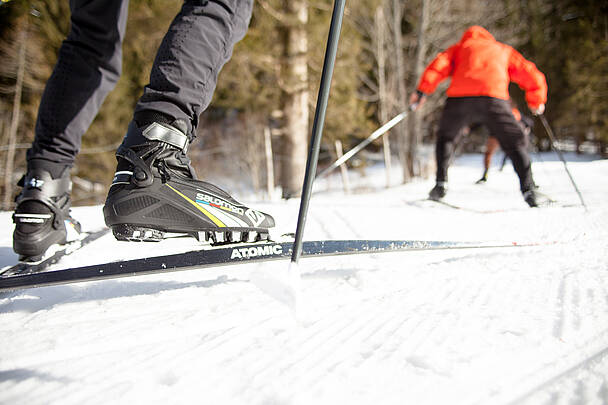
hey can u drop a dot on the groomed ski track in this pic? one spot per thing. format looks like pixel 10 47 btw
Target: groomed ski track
pixel 488 326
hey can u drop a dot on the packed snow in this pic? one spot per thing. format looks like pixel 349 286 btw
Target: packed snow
pixel 519 325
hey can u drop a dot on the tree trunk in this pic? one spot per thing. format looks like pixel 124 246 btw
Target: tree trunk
pixel 343 170
pixel 12 137
pixel 383 102
pixel 402 130
pixel 414 121
pixel 294 97
pixel 269 162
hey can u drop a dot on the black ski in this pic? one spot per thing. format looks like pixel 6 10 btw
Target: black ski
pixel 422 204
pixel 22 268
pixel 227 255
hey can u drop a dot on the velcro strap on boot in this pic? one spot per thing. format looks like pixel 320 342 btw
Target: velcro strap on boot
pixel 41 185
pixel 167 134
pixel 142 174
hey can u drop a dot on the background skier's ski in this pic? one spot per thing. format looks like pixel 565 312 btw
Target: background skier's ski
pixel 428 203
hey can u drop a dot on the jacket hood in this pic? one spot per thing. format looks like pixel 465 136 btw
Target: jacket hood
pixel 476 32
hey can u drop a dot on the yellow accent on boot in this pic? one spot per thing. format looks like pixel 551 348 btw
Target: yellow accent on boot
pixel 201 209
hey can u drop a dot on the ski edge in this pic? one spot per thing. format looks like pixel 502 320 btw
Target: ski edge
pixel 232 255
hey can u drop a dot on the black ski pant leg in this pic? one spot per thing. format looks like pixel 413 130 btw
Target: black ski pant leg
pixel 198 43
pixel 513 141
pixel 87 68
pixel 455 117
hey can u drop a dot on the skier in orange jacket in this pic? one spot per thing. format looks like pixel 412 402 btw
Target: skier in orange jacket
pixel 481 69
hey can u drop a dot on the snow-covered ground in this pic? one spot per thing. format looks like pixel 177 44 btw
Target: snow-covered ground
pixel 526 325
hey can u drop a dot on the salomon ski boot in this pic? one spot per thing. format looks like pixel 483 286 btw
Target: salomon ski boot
pixel 438 192
pixel 42 217
pixel 155 192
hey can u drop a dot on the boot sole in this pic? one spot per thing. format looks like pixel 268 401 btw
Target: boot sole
pixel 137 233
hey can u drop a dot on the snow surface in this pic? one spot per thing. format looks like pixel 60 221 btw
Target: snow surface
pixel 524 325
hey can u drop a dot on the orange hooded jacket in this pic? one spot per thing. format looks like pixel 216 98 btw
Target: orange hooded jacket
pixel 481 66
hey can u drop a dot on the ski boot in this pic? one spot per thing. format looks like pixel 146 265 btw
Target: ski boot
pixel 534 198
pixel 531 198
pixel 155 192
pixel 484 178
pixel 42 217
pixel 438 192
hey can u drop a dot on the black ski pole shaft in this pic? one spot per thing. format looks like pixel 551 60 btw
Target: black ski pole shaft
pixel 319 120
pixel 561 157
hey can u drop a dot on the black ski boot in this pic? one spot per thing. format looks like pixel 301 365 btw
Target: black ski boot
pixel 42 217
pixel 534 198
pixel 484 178
pixel 438 192
pixel 531 198
pixel 155 192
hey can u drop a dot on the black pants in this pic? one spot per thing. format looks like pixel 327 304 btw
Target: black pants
pixel 496 115
pixel 182 81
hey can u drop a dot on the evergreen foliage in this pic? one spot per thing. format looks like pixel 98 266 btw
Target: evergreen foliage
pixel 568 40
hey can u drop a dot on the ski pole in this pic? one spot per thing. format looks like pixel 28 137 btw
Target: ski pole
pixel 317 126
pixel 561 157
pixel 375 135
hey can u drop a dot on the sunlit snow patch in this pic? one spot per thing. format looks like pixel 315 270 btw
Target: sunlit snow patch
pixel 282 284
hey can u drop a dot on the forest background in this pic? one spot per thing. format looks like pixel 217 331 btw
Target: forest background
pixel 266 94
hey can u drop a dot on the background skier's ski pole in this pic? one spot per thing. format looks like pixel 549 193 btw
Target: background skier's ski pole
pixel 375 135
pixel 561 157
pixel 317 126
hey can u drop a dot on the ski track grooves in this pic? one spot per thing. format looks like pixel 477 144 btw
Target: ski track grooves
pixel 348 223
pixel 321 224
pixel 596 357
pixel 558 325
